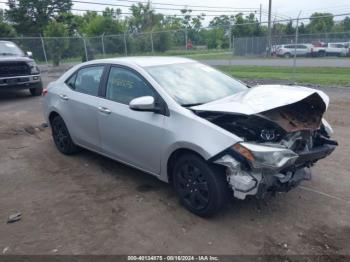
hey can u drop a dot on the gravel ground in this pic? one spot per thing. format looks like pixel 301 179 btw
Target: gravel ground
pixel 88 204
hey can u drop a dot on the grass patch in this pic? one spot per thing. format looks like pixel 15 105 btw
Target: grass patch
pixel 201 54
pixel 325 76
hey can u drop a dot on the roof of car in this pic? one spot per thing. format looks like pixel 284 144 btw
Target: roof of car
pixel 146 61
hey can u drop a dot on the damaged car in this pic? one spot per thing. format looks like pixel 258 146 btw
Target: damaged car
pixel 190 125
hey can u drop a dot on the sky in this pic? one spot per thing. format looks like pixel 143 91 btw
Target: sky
pixel 281 9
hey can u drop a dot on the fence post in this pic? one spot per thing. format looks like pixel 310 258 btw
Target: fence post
pixel 125 46
pixel 246 46
pixel 186 38
pixel 229 37
pixel 233 45
pixel 44 50
pixel 103 45
pixel 295 49
pixel 86 52
pixel 152 42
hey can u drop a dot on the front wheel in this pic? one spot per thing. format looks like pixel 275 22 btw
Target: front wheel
pixel 202 188
pixel 36 91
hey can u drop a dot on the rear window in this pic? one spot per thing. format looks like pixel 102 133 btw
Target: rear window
pixel 86 80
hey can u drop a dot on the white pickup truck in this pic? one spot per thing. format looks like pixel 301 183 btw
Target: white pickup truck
pixel 331 49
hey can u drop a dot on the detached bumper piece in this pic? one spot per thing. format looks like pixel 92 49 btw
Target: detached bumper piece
pixel 260 184
pixel 315 154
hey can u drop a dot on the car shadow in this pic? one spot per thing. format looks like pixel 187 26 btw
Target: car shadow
pixel 9 95
pixel 144 183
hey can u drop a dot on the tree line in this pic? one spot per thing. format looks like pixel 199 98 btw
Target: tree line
pixel 55 18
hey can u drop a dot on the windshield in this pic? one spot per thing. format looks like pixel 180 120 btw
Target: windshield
pixel 194 83
pixel 8 48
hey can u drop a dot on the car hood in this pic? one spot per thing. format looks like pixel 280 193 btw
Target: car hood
pixel 262 98
pixel 15 59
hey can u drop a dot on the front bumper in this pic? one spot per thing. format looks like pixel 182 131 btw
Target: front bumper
pixel 21 82
pixel 258 183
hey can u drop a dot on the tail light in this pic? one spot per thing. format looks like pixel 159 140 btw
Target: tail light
pixel 45 91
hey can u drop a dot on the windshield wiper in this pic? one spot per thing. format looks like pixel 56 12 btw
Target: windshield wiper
pixel 190 105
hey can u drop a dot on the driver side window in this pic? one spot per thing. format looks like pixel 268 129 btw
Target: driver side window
pixel 123 85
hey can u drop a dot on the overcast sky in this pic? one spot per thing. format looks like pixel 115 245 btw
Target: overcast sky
pixel 281 8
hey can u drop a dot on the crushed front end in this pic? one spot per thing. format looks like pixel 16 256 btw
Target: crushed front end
pixel 279 148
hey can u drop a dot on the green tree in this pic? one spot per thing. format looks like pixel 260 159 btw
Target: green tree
pixel 109 24
pixel 144 18
pixel 57 42
pixel 346 24
pixel 321 23
pixel 290 30
pixel 247 26
pixel 302 29
pixel 32 16
pixel 7 30
pixel 2 15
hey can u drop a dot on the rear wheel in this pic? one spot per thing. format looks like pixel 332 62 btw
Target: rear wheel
pixel 36 91
pixel 202 188
pixel 61 137
pixel 321 54
pixel 287 55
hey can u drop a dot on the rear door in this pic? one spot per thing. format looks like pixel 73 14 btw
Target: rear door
pixel 130 136
pixel 79 105
pixel 302 50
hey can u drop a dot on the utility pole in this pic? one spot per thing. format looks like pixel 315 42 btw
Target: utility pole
pixel 295 48
pixel 260 14
pixel 269 29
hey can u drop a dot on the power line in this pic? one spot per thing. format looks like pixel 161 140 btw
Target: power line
pixel 201 6
pixel 129 13
pixel 160 8
pixel 169 9
pixel 249 23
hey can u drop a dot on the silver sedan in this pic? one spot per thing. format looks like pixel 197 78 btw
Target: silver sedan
pixel 188 124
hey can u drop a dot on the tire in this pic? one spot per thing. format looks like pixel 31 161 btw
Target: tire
pixel 36 91
pixel 321 54
pixel 287 55
pixel 62 138
pixel 202 188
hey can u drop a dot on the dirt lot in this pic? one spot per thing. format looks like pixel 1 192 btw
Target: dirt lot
pixel 88 204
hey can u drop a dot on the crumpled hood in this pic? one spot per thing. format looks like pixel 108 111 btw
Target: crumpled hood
pixel 261 98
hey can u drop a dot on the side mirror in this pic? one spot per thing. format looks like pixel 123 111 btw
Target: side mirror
pixel 29 54
pixel 144 103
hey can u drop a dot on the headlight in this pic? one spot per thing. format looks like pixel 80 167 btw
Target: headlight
pixel 327 127
pixel 269 157
pixel 34 69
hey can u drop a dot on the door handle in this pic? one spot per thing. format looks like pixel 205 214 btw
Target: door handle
pixel 104 110
pixel 64 97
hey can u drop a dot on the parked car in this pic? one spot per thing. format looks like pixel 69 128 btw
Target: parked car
pixel 299 49
pixel 331 49
pixel 18 70
pixel 191 125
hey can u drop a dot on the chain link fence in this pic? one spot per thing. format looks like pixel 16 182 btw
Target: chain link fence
pixel 258 46
pixel 79 49
pixel 175 42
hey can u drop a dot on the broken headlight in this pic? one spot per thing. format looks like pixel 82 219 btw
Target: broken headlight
pixel 262 156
